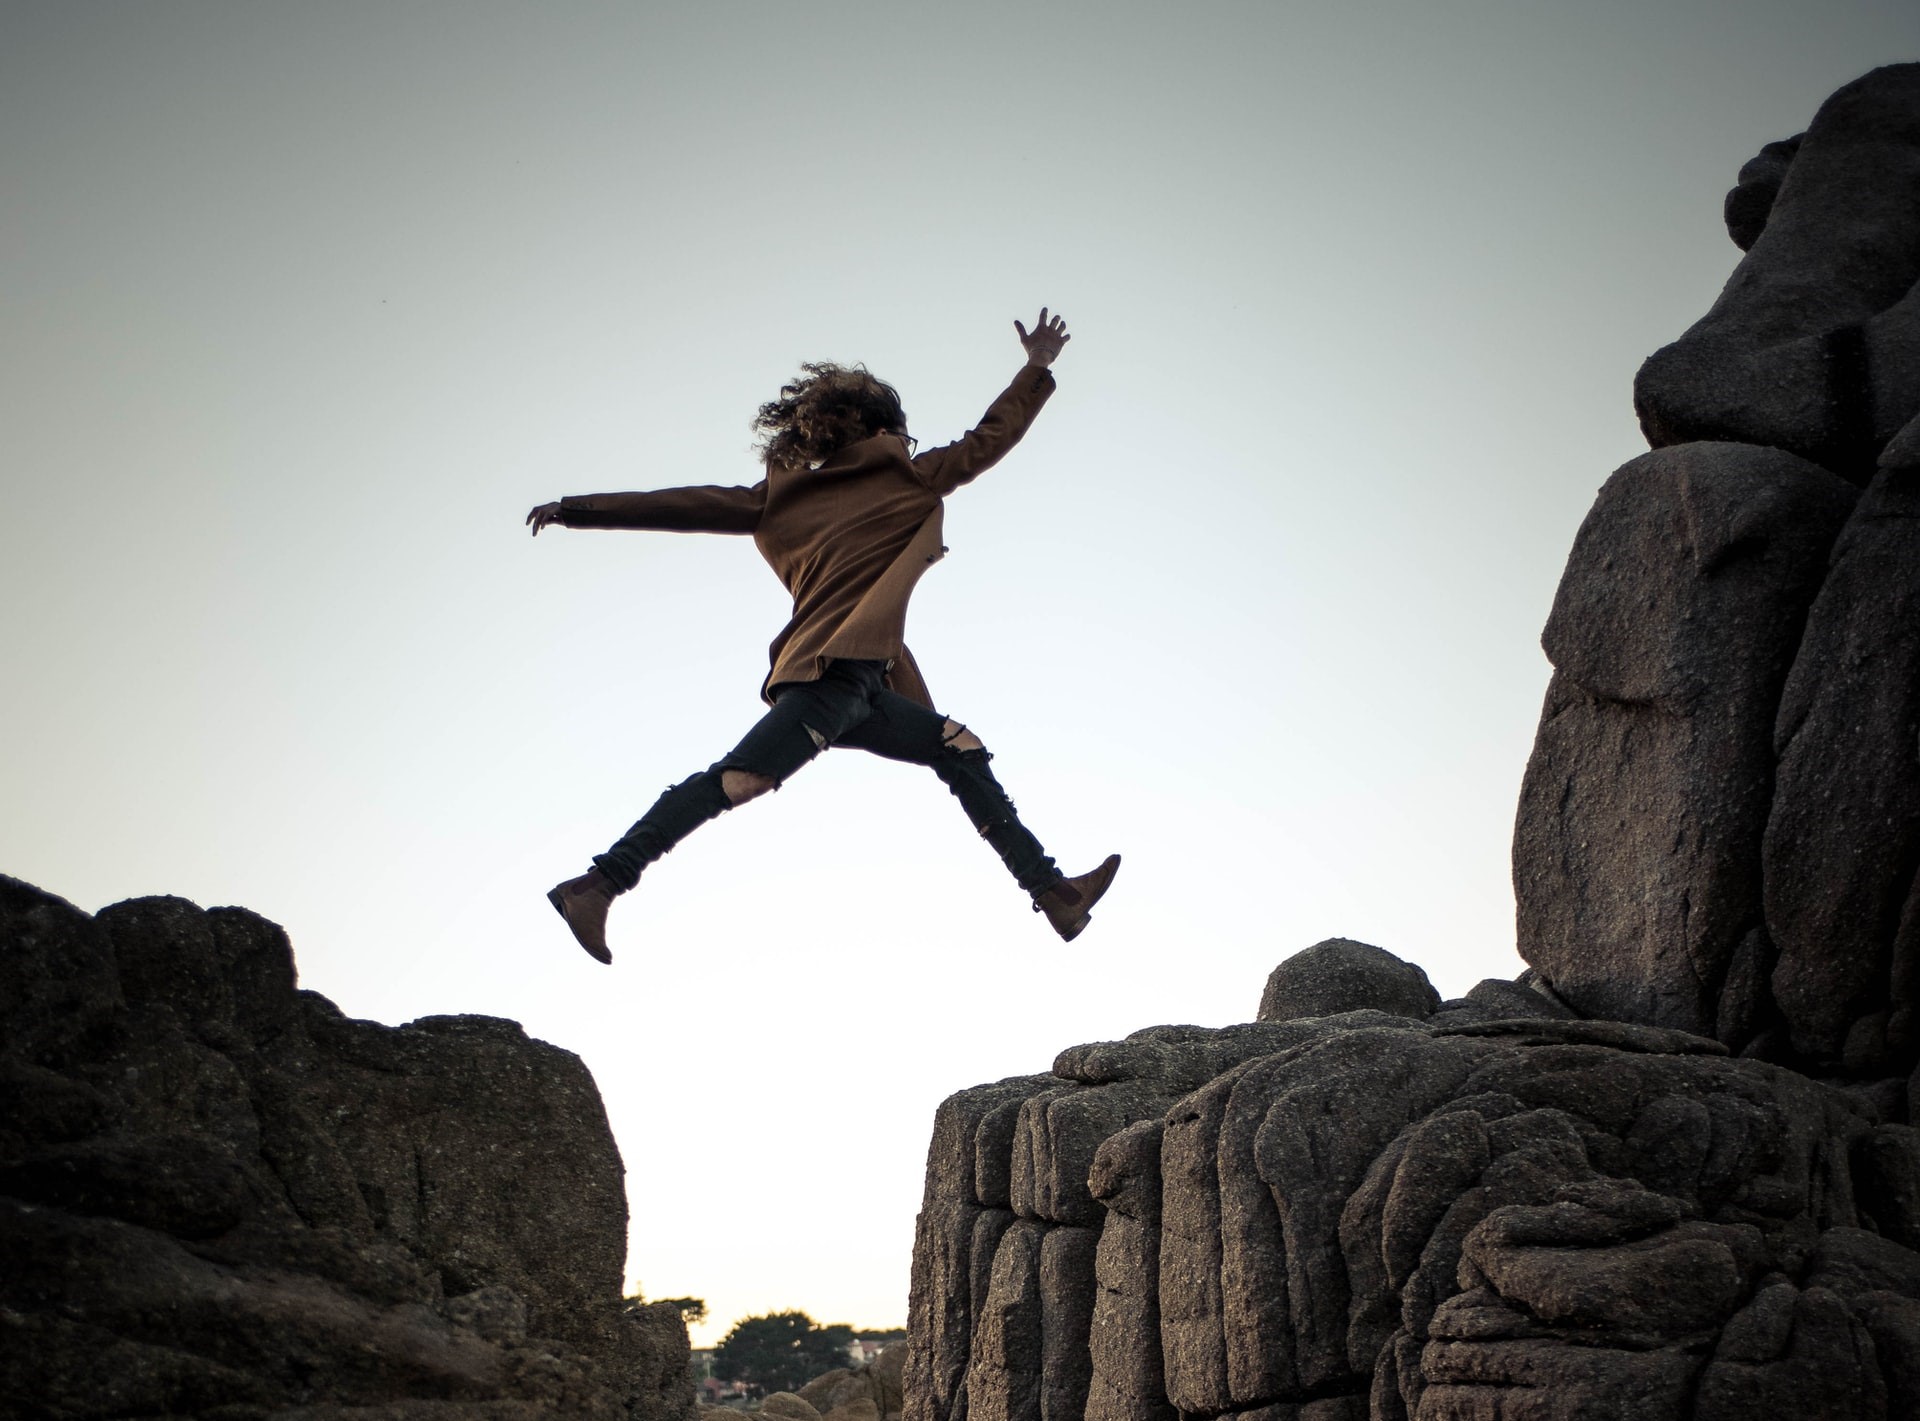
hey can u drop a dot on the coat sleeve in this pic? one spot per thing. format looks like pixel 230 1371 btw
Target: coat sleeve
pixel 709 509
pixel 944 469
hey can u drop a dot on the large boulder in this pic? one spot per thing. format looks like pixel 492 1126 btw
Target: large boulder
pixel 869 1392
pixel 219 1195
pixel 1637 845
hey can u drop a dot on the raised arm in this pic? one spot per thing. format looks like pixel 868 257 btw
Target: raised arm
pixel 946 468
pixel 707 509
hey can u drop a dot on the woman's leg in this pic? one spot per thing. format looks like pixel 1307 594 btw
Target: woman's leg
pixel 805 718
pixel 900 729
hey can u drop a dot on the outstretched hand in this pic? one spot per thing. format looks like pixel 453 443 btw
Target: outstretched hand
pixel 1045 340
pixel 543 515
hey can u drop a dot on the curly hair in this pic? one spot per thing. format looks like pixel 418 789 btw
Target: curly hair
pixel 829 407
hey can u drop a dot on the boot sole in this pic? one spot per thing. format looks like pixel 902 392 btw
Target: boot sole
pixel 598 954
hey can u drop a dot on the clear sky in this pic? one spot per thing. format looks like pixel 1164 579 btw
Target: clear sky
pixel 305 304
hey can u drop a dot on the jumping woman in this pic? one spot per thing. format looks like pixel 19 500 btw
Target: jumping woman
pixel 849 517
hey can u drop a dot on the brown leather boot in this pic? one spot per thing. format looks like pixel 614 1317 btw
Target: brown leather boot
pixel 1069 903
pixel 583 902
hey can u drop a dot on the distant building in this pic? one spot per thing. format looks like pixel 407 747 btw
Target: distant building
pixel 862 1350
pixel 709 1388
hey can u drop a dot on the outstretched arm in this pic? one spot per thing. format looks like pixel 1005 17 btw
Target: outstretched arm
pixel 1007 418
pixel 709 509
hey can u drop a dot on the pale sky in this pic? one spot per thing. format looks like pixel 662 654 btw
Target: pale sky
pixel 305 304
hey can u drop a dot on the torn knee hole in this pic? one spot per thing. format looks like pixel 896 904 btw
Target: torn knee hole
pixel 739 786
pixel 819 740
pixel 955 736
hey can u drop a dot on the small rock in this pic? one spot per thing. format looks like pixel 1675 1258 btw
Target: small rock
pixel 1340 975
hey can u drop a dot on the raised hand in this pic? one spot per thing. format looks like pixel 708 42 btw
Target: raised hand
pixel 1045 340
pixel 543 515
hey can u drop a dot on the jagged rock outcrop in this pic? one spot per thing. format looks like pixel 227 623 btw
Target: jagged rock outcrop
pixel 1666 1174
pixel 221 1197
pixel 1814 345
pixel 1376 1214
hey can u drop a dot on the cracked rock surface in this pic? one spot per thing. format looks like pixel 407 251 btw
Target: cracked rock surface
pixel 1370 1214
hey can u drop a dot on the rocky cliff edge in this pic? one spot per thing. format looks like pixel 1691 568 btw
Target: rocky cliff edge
pixel 222 1198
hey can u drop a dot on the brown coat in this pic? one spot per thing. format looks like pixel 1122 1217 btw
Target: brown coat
pixel 849 539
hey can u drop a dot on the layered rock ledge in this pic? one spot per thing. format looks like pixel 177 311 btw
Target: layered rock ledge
pixel 1483 1208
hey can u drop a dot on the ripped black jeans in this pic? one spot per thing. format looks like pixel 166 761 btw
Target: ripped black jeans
pixel 848 706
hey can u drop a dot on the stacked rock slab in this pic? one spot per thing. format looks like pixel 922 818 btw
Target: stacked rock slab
pixel 1719 829
pixel 1637 849
pixel 221 1197
pixel 1369 1204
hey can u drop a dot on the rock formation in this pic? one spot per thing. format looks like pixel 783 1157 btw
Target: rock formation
pixel 1463 1212
pixel 1667 1174
pixel 1719 829
pixel 220 1197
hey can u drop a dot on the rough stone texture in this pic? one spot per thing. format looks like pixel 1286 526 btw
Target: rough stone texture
pixel 1529 1216
pixel 958 1232
pixel 1341 975
pixel 219 1196
pixel 1843 839
pixel 1637 845
pixel 1814 345
pixel 1004 1369
pixel 1128 1381
pixel 1008 1165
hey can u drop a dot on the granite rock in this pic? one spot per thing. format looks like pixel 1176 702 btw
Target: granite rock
pixel 1637 844
pixel 1530 1216
pixel 1843 834
pixel 1814 345
pixel 1340 975
pixel 220 1196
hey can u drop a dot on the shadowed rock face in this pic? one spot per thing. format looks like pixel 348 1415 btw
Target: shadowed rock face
pixel 1843 839
pixel 218 1195
pixel 1719 829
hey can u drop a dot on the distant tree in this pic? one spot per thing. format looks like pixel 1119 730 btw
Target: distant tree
pixel 691 1309
pixel 781 1351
